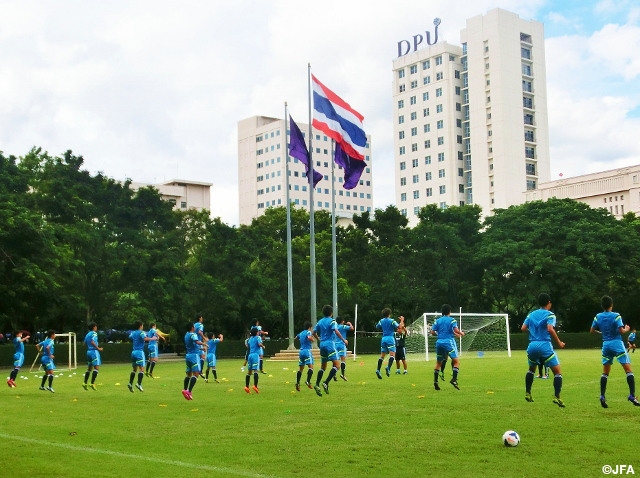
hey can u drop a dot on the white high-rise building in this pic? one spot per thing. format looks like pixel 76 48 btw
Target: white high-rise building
pixel 470 122
pixel 262 147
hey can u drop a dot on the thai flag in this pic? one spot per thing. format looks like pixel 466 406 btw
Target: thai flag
pixel 335 118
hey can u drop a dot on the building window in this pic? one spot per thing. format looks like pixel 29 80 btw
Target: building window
pixel 425 112
pixel 401 88
pixel 527 102
pixel 427 128
pixel 440 140
pixel 426 64
pixel 416 179
pixel 412 100
pixel 529 152
pixel 416 195
pixel 403 197
pixel 457 90
pixel 400 104
pixel 531 169
pixel 402 150
pixel 438 92
pixel 403 181
pixel 525 53
pixel 439 76
pixel 526 69
pixel 414 115
pixel 427 176
pixel 413 69
pixel 400 73
pixel 414 147
pixel 400 119
pixel 528 119
pixel 440 124
pixel 438 60
pixel 414 163
pixel 425 96
pixel 414 131
pixel 427 143
pixel 401 134
pixel 460 173
pixel 429 192
pixel 531 184
pixel 414 84
pixel 441 173
pixel 443 189
pixel 427 160
pixel 438 108
pixel 527 86
pixel 403 166
pixel 528 136
pixel 440 157
pixel 183 204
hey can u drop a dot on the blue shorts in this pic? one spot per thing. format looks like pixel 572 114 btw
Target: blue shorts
pixel 341 349
pixel 18 360
pixel 137 358
pixel 328 351
pixel 388 344
pixel 153 352
pixel 47 363
pixel 193 363
pixel 305 358
pixel 614 349
pixel 541 353
pixel 93 358
pixel 253 362
pixel 211 360
pixel 446 348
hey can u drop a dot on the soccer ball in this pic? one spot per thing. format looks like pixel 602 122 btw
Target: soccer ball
pixel 510 438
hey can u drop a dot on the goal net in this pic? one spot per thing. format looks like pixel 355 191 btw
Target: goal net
pixel 483 332
pixel 70 362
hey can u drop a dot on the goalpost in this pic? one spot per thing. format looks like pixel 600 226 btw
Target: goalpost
pixel 72 362
pixel 483 332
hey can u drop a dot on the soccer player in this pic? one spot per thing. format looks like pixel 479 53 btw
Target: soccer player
pixel 388 342
pixel 256 325
pixel 325 331
pixel 305 357
pixel 542 368
pixel 541 326
pixel 93 356
pixel 138 338
pixel 193 347
pixel 446 328
pixel 212 345
pixel 255 345
pixel 631 342
pixel 401 350
pixel 610 325
pixel 46 348
pixel 18 357
pixel 152 347
pixel 199 330
pixel 341 348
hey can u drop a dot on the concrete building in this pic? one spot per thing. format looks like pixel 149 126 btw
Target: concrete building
pixel 470 121
pixel 262 150
pixel 617 190
pixel 183 194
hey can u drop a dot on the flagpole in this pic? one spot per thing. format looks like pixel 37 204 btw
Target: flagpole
pixel 333 235
pixel 289 255
pixel 312 227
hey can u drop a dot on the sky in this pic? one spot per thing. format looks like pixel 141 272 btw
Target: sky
pixel 153 90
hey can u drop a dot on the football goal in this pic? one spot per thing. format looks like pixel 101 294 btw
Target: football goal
pixel 71 362
pixel 483 332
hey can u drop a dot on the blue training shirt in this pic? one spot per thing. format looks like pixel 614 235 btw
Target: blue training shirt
pixel 91 336
pixel 47 347
pixel 19 344
pixel 388 326
pixel 137 337
pixel 213 345
pixel 537 322
pixel 608 323
pixel 190 339
pixel 444 326
pixel 305 341
pixel 325 328
pixel 254 344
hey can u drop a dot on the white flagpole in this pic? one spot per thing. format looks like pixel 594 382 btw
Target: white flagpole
pixel 355 332
pixel 333 234
pixel 312 227
pixel 289 254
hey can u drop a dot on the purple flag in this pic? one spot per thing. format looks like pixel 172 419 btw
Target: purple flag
pixel 352 167
pixel 298 149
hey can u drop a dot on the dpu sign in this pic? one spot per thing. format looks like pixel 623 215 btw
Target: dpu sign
pixel 404 46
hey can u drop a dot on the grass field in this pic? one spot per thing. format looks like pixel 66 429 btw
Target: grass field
pixel 395 427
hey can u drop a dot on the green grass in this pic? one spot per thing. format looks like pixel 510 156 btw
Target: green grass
pixel 398 426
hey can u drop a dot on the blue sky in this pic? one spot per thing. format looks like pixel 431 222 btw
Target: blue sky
pixel 153 90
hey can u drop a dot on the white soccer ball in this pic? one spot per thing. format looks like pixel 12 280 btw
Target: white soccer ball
pixel 510 438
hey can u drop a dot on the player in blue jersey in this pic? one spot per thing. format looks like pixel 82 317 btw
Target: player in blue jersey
pixel 388 341
pixel 18 357
pixel 152 348
pixel 212 360
pixel 631 342
pixel 610 325
pixel 193 348
pixel 199 331
pixel 46 348
pixel 341 348
pixel 446 328
pixel 305 357
pixel 261 333
pixel 326 331
pixel 138 338
pixel 93 356
pixel 255 345
pixel 541 326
